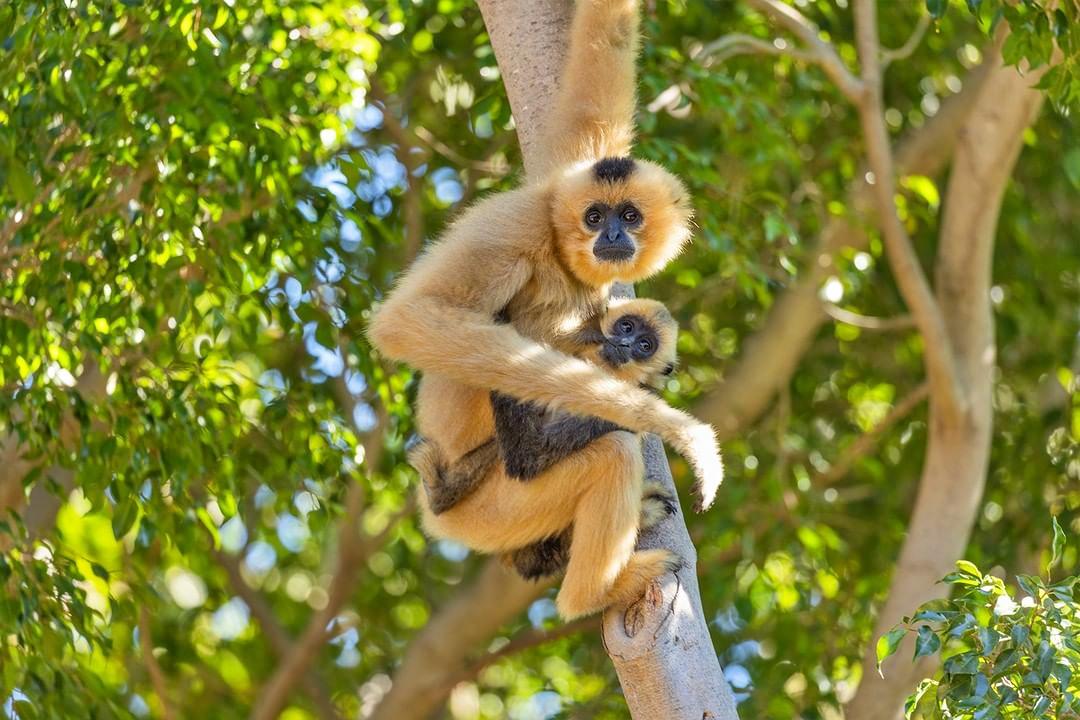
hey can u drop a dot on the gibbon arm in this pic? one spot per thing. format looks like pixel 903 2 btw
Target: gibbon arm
pixel 530 442
pixel 593 115
pixel 467 345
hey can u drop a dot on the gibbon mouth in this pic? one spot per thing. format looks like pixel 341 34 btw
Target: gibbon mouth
pixel 615 355
pixel 613 253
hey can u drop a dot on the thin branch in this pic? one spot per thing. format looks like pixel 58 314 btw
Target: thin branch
pixel 739 44
pixel 939 355
pixel 496 168
pixel 867 322
pixel 823 53
pixel 413 209
pixel 353 551
pixel 157 677
pixel 865 443
pixel 904 51
pixel 277 636
pixel 534 637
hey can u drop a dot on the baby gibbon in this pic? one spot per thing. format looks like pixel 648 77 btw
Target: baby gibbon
pixel 636 341
pixel 546 255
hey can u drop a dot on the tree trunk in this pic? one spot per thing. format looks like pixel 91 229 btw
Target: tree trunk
pixel 666 664
pixel 954 475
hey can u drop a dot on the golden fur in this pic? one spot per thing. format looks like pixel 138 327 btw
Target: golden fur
pixel 520 252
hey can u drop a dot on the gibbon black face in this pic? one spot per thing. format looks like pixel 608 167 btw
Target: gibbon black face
pixel 614 227
pixel 618 219
pixel 632 339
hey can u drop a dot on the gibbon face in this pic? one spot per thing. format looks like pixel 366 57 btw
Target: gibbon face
pixel 619 219
pixel 639 340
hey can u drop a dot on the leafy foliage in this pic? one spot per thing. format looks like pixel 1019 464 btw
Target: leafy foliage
pixel 199 203
pixel 1007 653
pixel 1038 29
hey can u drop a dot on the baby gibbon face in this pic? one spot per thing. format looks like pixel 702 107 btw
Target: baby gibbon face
pixel 619 219
pixel 639 340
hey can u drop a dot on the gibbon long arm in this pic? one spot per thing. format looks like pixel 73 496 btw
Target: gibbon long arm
pixel 469 347
pixel 593 116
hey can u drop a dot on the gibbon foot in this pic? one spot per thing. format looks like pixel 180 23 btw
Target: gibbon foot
pixel 542 559
pixel 446 487
pixel 657 504
pixel 644 567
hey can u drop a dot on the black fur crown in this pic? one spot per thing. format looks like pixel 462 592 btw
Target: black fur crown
pixel 613 169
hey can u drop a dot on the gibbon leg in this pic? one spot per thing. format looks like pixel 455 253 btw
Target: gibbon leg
pixel 603 568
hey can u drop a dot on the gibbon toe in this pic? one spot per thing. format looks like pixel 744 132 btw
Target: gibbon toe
pixel 657 504
pixel 644 567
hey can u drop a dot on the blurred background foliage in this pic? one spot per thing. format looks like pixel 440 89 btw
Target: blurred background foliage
pixel 199 203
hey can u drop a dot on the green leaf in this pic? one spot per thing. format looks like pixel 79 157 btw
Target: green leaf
pixel 968 568
pixel 937 8
pixel 1057 547
pixel 20 182
pixel 973 6
pixel 888 644
pixel 926 643
pixel 1072 167
pixel 963 664
pixel 912 703
pixel 124 516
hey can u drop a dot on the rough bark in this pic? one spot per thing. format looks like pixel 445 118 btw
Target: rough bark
pixel 668 668
pixel 954 474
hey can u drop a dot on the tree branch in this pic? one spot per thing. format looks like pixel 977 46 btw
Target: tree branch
pixel 865 443
pixel 353 551
pixel 954 474
pixel 739 44
pixel 769 358
pixel 157 677
pixel 901 322
pixel 944 375
pixel 821 52
pixel 276 635
pixel 904 51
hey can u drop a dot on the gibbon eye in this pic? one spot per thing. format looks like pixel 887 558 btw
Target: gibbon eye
pixel 625 327
pixel 593 216
pixel 631 215
pixel 645 345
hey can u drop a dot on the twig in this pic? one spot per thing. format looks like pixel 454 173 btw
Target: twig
pixel 278 637
pixel 534 637
pixel 739 44
pixel 496 168
pixel 941 367
pixel 412 206
pixel 867 322
pixel 157 677
pixel 864 444
pixel 822 52
pixel 904 51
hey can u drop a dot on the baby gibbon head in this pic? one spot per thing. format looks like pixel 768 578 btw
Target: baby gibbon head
pixel 639 340
pixel 619 219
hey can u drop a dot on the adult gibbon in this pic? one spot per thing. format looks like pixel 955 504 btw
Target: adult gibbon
pixel 635 341
pixel 545 256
